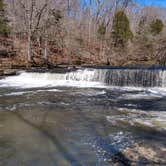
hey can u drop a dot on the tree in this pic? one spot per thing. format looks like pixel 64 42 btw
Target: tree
pixel 121 32
pixel 4 28
pixel 101 31
pixel 156 26
pixel 31 15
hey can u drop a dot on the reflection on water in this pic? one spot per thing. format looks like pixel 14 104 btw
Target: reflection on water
pixel 77 126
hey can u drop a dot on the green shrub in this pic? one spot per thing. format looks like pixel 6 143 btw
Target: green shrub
pixel 156 26
pixel 4 28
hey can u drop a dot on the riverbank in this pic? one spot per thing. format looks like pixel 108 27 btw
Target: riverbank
pixel 57 69
pixel 13 54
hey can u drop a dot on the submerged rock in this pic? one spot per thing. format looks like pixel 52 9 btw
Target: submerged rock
pixel 140 154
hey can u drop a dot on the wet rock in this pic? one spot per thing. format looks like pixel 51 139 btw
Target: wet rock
pixel 9 72
pixel 139 154
pixel 1 72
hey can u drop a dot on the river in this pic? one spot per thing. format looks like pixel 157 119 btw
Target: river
pixel 80 118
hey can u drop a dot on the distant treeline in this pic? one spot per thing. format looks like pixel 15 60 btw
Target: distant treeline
pixel 114 32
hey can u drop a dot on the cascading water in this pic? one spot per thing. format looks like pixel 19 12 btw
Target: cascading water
pixel 91 77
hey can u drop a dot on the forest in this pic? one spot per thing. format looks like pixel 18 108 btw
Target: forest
pixel 82 32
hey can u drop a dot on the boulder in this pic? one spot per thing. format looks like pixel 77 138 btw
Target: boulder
pixel 9 72
pixel 1 72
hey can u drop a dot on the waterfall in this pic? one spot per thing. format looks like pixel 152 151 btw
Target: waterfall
pixel 121 77
pixel 136 78
pixel 90 77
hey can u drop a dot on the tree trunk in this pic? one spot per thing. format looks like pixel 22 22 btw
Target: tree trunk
pixel 90 21
pixel 46 50
pixel 29 47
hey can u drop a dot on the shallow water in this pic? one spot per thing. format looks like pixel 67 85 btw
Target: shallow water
pixel 71 125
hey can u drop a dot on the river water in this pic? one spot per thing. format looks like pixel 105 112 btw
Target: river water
pixel 80 118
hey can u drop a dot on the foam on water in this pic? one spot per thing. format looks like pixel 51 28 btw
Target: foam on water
pixel 136 117
pixel 34 80
pixel 91 92
pixel 143 93
pixel 30 92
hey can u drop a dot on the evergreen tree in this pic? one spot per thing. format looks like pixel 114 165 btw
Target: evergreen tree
pixel 121 32
pixel 156 26
pixel 4 28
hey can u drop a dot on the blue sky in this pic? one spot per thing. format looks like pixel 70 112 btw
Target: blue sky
pixel 161 3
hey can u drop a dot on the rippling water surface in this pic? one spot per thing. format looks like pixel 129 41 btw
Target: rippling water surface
pixel 76 125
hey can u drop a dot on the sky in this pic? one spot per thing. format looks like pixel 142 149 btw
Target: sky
pixel 161 3
pixel 157 3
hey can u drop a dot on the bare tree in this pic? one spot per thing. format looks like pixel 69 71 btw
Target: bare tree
pixel 72 26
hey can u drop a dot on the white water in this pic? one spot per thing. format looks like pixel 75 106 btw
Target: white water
pixel 140 118
pixel 30 92
pixel 98 78
pixel 81 78
pixel 35 80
